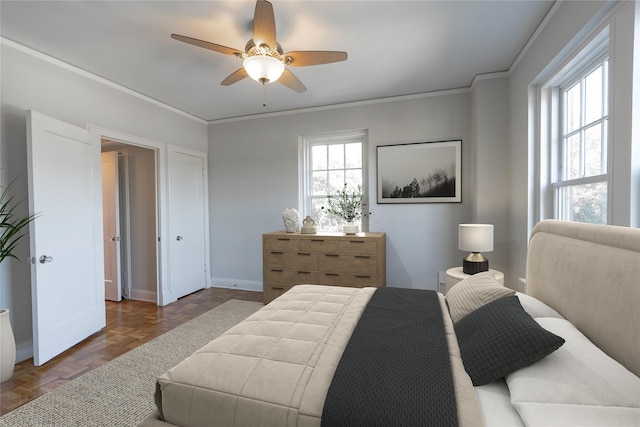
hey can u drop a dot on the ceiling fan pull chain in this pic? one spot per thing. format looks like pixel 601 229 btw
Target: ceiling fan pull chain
pixel 264 103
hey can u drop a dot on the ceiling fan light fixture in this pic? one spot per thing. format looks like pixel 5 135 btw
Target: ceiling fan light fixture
pixel 263 68
pixel 264 59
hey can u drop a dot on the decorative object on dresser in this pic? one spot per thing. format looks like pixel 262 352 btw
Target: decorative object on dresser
pixel 291 220
pixel 323 258
pixel 475 238
pixel 349 207
pixel 308 225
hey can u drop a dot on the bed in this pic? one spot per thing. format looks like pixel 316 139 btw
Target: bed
pixel 564 353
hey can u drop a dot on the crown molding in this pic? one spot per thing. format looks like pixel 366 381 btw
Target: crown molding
pixel 343 105
pixel 89 75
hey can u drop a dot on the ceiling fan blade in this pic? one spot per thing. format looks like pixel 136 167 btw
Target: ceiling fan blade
pixel 264 24
pixel 207 45
pixel 291 81
pixel 236 76
pixel 314 57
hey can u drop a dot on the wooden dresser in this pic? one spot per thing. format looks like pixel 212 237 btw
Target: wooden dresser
pixel 290 259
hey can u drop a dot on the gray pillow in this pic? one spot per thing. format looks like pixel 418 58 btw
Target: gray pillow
pixel 500 338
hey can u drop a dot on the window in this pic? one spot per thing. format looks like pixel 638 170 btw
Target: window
pixel 580 192
pixel 572 135
pixel 328 162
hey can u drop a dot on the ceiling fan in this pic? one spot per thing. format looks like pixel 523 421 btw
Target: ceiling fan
pixel 264 60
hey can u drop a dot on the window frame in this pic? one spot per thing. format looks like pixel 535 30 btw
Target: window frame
pixel 305 167
pixel 561 180
pixel 545 99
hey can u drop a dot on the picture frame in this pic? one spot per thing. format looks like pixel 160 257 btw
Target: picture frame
pixel 419 172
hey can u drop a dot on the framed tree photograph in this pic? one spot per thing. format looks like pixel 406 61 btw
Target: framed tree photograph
pixel 419 172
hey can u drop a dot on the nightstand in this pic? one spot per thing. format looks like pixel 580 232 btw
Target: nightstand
pixel 455 274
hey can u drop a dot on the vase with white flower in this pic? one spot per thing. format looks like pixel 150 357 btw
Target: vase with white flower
pixel 348 206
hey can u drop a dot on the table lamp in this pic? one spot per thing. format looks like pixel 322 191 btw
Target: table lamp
pixel 475 238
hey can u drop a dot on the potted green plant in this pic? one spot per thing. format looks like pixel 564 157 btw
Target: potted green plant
pixel 348 206
pixel 13 227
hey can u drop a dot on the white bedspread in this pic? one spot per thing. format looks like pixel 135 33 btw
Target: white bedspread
pixel 275 367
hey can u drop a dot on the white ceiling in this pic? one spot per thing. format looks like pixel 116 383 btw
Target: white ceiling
pixel 395 48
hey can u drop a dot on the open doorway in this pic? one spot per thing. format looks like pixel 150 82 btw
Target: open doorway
pixel 130 221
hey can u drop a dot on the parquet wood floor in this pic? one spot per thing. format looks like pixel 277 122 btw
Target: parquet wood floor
pixel 129 324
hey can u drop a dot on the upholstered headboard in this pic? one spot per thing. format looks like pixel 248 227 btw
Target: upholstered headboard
pixel 591 275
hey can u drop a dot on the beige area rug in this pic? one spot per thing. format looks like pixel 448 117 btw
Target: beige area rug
pixel 120 393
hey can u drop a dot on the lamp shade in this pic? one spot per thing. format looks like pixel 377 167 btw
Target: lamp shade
pixel 263 68
pixel 475 237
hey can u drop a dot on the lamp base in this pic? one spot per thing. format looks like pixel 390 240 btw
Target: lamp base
pixel 475 263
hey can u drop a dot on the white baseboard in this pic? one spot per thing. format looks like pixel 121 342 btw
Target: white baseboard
pixel 244 285
pixel 24 351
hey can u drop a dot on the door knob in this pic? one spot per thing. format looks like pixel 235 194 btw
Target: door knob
pixel 114 239
pixel 45 258
pixel 178 237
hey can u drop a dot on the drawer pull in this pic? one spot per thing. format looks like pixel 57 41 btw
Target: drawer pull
pixel 285 239
pixel 331 274
pixel 276 253
pixel 332 255
pixel 317 240
pixel 363 256
pixel 304 272
pixel 360 276
pixel 277 270
pixel 303 254
pixel 356 241
pixel 277 288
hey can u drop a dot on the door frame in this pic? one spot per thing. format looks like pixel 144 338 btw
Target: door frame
pixel 163 290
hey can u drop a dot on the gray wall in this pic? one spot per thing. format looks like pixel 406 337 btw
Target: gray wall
pixel 142 238
pixel 566 29
pixel 30 82
pixel 253 163
pixel 490 119
pixel 254 177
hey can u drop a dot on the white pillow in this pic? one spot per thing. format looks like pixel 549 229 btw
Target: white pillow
pixel 473 292
pixel 536 308
pixel 577 382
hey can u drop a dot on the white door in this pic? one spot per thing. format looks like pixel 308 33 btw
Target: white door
pixel 111 226
pixel 187 223
pixel 67 274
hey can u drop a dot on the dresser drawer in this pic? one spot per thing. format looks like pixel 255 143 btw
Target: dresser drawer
pixel 271 292
pixel 278 276
pixel 336 259
pixel 348 263
pixel 318 245
pixel 281 244
pixel 357 246
pixel 291 260
pixel 346 279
